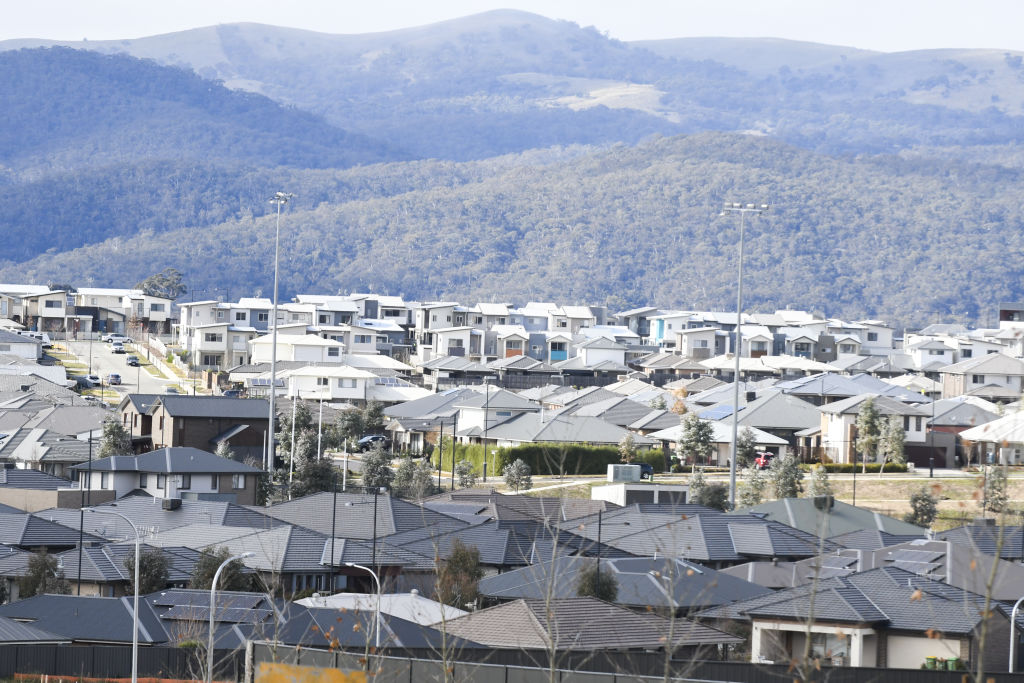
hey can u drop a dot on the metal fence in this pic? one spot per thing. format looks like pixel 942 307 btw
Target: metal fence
pixel 115 661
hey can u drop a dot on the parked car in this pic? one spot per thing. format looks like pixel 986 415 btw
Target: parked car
pixel 171 389
pixel 646 471
pixel 113 378
pixel 41 336
pixel 133 361
pixel 116 337
pixel 93 380
pixel 117 347
pixel 232 393
pixel 763 460
pixel 368 442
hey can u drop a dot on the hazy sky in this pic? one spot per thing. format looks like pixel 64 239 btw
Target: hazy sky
pixel 887 25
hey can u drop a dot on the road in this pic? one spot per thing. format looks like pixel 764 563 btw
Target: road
pixel 103 362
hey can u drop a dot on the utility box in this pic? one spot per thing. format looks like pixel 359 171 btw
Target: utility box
pixel 624 473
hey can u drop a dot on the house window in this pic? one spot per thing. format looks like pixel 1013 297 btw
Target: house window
pixel 917 424
pixel 478 320
pixel 161 482
pixel 347 383
pixel 213 337
pixel 906 423
pixel 238 481
pixel 262 317
pixel 295 317
pixel 433 317
pixel 52 303
pixel 501 321
pixel 966 353
pixel 563 323
pixel 872 336
pixel 977 379
pixel 161 422
pixel 503 413
pixel 392 313
pixel 321 381
pixel 240 315
pixel 558 346
pixel 143 480
pixel 156 308
pixel 333 352
pixel 514 344
pixel 763 346
pixel 846 348
pixel 363 339
pixel 448 318
pixel 104 480
pixel 186 482
pixel 220 315
pixel 5 347
pixel 700 343
pixel 214 482
pixel 211 359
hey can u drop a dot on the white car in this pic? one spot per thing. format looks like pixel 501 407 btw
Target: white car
pixel 116 337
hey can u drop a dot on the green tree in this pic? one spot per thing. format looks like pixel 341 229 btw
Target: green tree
pixel 42 576
pixel 592 583
pixel 166 284
pixel 820 485
pixel 224 450
pixel 695 442
pixel 153 574
pixel 923 508
pixel 413 479
pixel 746 448
pixel 264 484
pixel 627 448
pixel 786 475
pixel 459 576
pixel 314 476
pixel 994 496
pixel 373 417
pixel 115 441
pixel 713 496
pixel 517 476
pixel 657 403
pixel 868 431
pixel 377 470
pixel 232 578
pixel 465 474
pixel 697 484
pixel 303 422
pixel 751 493
pixel 891 441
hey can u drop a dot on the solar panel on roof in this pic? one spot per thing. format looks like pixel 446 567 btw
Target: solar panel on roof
pixel 189 599
pixel 715 413
pixel 914 555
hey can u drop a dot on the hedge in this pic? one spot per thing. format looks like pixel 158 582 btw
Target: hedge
pixel 552 458
pixel 846 467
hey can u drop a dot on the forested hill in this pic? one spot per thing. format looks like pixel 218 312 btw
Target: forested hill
pixel 506 81
pixel 907 240
pixel 74 109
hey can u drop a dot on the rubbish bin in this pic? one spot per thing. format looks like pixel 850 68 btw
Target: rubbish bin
pixel 953 663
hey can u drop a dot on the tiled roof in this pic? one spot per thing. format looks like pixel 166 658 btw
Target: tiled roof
pixel 172 460
pixel 31 479
pixel 88 619
pixel 13 632
pixel 33 530
pixel 215 406
pixel 578 624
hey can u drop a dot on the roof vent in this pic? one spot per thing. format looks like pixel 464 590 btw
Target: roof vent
pixel 824 503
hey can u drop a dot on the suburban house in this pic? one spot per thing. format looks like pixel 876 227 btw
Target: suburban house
pixel 203 422
pixel 20 345
pixel 839 419
pixel 173 473
pixel 993 376
pixel 309 348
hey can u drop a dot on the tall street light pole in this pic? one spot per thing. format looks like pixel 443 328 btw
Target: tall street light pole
pixel 742 210
pixel 376 619
pixel 213 606
pixel 279 198
pixel 135 607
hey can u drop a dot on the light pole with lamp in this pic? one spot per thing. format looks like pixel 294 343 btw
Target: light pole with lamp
pixel 742 210
pixel 376 618
pixel 213 606
pixel 1013 634
pixel 279 198
pixel 135 607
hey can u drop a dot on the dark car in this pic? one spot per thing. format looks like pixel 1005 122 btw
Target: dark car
pixel 133 361
pixel 368 442
pixel 232 393
pixel 646 471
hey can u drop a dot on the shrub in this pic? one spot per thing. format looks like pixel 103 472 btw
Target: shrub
pixel 847 467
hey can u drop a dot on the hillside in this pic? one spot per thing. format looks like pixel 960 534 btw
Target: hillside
pixel 506 81
pixel 908 241
pixel 72 109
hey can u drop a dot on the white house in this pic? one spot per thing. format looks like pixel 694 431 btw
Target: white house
pixel 839 419
pixel 309 348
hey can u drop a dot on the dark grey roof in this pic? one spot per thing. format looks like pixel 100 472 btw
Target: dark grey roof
pixel 88 619
pixel 215 406
pixel 31 479
pixel 839 518
pixel 887 596
pixel 13 632
pixel 578 624
pixel 34 530
pixel 872 539
pixel 171 460
pixel 986 539
pixel 439 404
pixel 140 402
pixel 354 515
pixel 642 582
pixel 538 508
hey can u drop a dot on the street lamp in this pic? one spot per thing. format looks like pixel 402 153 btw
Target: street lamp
pixel 135 608
pixel 213 605
pixel 1013 634
pixel 279 198
pixel 742 210
pixel 376 619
